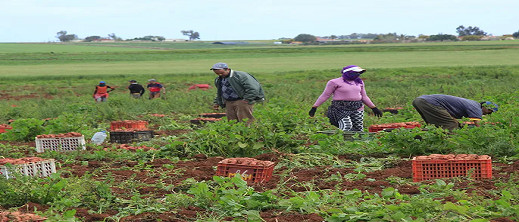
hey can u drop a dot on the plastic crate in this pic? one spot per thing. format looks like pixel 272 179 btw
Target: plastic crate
pixel 60 144
pixel 43 168
pixel 4 128
pixel 434 169
pixel 250 169
pixel 129 124
pixel 131 136
pixel 213 115
pixel 390 126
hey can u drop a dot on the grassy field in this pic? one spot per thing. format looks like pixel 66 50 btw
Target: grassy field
pixel 36 60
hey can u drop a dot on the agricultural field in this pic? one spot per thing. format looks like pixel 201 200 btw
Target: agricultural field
pixel 47 89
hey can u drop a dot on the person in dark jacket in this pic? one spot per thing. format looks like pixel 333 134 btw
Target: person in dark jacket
pixel 444 110
pixel 136 89
pixel 237 92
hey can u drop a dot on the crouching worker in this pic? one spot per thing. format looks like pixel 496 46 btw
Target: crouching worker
pixel 101 92
pixel 444 110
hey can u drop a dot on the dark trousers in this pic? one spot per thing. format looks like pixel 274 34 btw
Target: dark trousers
pixel 436 115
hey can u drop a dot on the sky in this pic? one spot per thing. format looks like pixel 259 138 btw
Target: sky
pixel 40 20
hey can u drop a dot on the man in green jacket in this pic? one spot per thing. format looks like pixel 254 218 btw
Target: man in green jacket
pixel 236 92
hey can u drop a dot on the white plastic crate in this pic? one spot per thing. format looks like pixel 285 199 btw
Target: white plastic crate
pixel 42 168
pixel 60 144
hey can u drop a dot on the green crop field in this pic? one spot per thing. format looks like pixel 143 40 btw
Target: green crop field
pixel 319 175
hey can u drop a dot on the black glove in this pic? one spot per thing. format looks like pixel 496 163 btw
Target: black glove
pixel 312 111
pixel 377 112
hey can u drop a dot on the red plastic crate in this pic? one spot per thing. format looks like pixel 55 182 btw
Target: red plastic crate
pixel 5 127
pixel 380 127
pixel 250 169
pixel 129 124
pixel 438 168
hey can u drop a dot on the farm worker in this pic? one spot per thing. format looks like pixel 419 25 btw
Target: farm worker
pixel 155 88
pixel 101 92
pixel 237 92
pixel 444 110
pixel 136 89
pixel 349 97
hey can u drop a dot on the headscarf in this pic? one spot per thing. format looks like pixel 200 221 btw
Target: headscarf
pixel 352 73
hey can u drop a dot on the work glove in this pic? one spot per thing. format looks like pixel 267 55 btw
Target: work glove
pixel 377 112
pixel 312 111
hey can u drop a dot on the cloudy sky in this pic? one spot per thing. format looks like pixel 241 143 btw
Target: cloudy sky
pixel 40 20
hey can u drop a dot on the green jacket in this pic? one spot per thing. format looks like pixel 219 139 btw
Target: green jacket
pixel 244 84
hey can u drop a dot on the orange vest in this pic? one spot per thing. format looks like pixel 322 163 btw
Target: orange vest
pixel 101 89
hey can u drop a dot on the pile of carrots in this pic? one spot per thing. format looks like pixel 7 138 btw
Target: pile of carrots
pixel 128 147
pixel 61 135
pixel 246 161
pixel 20 160
pixel 19 216
pixel 453 157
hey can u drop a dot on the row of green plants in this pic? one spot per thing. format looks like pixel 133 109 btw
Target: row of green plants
pixel 231 197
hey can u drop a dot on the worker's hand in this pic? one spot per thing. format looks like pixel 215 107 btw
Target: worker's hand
pixel 216 106
pixel 377 112
pixel 311 113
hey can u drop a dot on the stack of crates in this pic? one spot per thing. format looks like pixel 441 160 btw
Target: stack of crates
pixel 60 143
pixel 391 126
pixel 129 124
pixel 437 166
pixel 250 169
pixel 128 131
pixel 5 127
pixel 28 166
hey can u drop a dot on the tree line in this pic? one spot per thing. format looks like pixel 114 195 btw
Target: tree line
pixel 64 36
pixel 469 33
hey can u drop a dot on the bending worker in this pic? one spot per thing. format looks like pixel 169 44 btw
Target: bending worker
pixel 236 92
pixel 444 110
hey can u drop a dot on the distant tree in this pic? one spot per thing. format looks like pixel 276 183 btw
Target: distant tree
pixel 516 34
pixel 114 37
pixel 462 31
pixel 306 38
pixel 442 37
pixel 191 34
pixel 333 37
pixel 151 38
pixel 64 37
pixel 92 38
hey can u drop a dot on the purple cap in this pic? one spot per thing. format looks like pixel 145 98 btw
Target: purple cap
pixel 219 65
